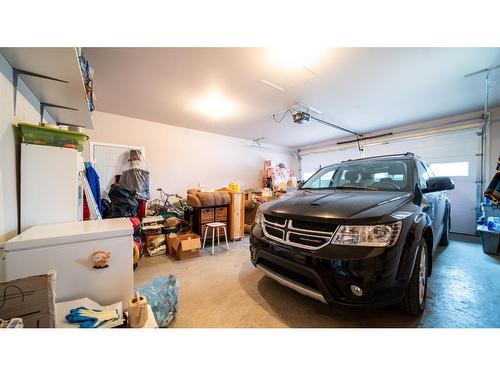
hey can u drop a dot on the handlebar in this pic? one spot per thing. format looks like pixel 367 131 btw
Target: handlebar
pixel 168 195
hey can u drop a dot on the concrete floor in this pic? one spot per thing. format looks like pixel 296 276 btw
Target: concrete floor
pixel 225 290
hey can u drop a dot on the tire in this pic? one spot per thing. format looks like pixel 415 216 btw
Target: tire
pixel 415 297
pixel 445 236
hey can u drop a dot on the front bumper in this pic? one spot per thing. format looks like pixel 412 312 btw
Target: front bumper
pixel 327 274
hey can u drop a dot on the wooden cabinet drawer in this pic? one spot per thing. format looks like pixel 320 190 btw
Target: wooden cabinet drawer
pixel 221 214
pixel 207 215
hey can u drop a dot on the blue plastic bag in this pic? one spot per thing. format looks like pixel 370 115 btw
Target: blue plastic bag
pixel 162 294
pixel 493 224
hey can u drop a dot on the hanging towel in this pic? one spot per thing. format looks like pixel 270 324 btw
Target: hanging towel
pixel 93 179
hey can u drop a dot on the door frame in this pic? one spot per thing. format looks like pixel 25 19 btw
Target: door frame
pixel 128 147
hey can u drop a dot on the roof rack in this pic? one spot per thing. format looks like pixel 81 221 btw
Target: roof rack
pixel 381 156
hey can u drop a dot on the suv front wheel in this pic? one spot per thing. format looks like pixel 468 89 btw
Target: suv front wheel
pixel 414 299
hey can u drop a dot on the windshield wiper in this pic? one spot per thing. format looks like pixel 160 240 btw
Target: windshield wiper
pixel 354 187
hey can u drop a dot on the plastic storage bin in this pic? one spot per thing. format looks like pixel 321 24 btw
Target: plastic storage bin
pixel 490 240
pixel 44 135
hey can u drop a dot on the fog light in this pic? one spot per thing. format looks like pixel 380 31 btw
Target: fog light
pixel 356 290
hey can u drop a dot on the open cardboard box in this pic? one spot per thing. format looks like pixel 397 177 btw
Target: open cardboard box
pixel 186 245
pixel 170 241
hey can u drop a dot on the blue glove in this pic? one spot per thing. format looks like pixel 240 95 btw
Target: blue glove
pixel 89 318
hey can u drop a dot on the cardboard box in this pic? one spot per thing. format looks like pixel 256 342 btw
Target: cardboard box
pixel 31 298
pixel 153 242
pixel 170 242
pixel 187 245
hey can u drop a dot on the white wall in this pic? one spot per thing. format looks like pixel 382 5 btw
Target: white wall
pixel 179 158
pixel 28 111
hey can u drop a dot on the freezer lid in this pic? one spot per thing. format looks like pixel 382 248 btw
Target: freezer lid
pixel 48 235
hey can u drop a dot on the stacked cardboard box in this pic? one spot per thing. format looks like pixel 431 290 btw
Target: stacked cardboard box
pixel 154 240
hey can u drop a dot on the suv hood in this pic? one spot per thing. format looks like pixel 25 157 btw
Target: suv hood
pixel 364 205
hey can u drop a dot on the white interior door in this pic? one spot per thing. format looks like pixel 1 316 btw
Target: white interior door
pixel 110 160
pixel 453 155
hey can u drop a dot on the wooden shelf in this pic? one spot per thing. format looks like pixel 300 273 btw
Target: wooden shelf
pixel 59 63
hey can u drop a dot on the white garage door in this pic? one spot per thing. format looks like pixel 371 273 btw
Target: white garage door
pixel 451 154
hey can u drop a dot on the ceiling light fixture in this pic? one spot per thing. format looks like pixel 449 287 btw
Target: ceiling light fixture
pixel 215 105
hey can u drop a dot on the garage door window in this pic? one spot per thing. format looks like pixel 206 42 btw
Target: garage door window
pixel 451 169
pixel 323 182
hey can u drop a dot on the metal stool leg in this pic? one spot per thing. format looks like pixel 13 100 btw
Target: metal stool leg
pixel 218 237
pixel 205 238
pixel 213 241
pixel 225 236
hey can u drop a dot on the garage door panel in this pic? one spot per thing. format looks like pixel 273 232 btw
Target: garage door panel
pixel 463 200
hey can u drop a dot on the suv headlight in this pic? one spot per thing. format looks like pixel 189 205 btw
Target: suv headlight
pixel 385 235
pixel 258 217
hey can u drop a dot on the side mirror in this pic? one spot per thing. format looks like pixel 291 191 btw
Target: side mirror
pixel 300 184
pixel 438 184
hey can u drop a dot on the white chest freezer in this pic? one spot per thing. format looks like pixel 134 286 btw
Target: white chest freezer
pixel 67 248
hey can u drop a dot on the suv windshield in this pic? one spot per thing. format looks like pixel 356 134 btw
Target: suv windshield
pixel 386 175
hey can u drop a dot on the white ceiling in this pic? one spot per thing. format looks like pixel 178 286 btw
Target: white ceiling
pixel 364 89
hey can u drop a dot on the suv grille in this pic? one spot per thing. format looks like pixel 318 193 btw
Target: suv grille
pixel 281 221
pixel 302 234
pixel 273 232
pixel 318 227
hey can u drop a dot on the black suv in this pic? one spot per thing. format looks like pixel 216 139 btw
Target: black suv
pixel 358 233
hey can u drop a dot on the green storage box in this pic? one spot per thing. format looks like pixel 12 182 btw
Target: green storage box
pixel 44 135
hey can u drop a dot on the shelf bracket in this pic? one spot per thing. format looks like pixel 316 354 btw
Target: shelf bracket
pixel 15 79
pixel 43 105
